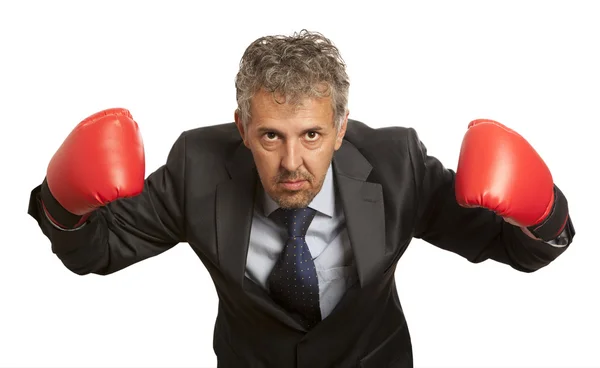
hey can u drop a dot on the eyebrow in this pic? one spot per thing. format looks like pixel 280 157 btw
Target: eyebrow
pixel 263 130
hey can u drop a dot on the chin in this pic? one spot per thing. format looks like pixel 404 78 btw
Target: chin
pixel 294 200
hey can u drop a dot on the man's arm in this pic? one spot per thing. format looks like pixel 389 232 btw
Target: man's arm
pixel 123 231
pixel 475 233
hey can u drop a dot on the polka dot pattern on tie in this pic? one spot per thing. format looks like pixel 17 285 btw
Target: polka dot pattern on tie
pixel 293 282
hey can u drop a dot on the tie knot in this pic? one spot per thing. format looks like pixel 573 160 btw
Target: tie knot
pixel 296 220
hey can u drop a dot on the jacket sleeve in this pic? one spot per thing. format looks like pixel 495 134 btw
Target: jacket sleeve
pixel 476 234
pixel 127 230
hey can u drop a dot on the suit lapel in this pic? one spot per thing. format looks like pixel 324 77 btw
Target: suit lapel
pixel 363 208
pixel 234 211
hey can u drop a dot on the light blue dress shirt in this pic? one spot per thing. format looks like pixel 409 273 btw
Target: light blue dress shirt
pixel 327 240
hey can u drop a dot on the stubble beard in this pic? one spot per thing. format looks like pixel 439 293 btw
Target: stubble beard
pixel 295 199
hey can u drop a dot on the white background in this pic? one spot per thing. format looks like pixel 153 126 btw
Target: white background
pixel 533 66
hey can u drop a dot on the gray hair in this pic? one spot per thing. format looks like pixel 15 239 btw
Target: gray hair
pixel 305 64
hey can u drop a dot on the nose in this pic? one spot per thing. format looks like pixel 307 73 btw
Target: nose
pixel 292 156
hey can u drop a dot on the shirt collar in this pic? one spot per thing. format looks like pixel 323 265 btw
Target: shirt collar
pixel 324 201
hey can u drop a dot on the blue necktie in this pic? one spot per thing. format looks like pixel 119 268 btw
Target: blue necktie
pixel 293 282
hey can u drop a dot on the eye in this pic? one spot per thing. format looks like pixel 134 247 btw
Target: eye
pixel 312 136
pixel 271 136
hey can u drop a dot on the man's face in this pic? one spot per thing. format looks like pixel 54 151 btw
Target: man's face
pixel 292 146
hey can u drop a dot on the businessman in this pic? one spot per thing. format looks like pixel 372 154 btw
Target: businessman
pixel 299 213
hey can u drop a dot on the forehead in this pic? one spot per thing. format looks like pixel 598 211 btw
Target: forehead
pixel 272 106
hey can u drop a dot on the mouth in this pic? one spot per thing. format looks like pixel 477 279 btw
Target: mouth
pixel 293 184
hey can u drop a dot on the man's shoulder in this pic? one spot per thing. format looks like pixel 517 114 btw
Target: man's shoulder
pixel 210 141
pixel 207 146
pixel 391 151
pixel 366 137
pixel 220 134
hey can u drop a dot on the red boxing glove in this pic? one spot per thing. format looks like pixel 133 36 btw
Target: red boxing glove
pixel 100 161
pixel 499 170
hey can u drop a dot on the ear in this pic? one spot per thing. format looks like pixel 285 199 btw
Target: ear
pixel 240 126
pixel 342 132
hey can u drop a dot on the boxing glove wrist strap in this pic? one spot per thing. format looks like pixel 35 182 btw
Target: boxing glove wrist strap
pixel 557 220
pixel 56 213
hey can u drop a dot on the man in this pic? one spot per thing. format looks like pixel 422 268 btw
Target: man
pixel 299 213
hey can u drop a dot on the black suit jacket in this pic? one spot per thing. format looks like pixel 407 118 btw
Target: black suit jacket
pixel 391 192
